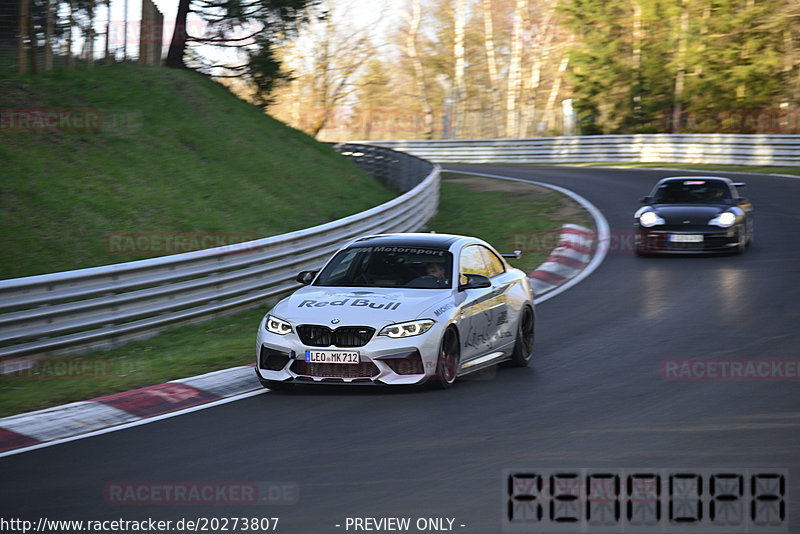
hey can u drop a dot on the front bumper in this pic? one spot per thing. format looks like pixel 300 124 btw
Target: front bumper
pixel 659 240
pixel 383 360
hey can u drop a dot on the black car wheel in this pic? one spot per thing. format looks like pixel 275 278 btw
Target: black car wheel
pixel 447 363
pixel 523 346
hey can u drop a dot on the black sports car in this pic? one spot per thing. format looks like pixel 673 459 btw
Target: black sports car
pixel 694 214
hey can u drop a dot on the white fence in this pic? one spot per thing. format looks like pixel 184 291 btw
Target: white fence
pixel 104 306
pixel 726 149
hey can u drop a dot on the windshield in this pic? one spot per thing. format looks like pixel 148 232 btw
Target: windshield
pixel 693 192
pixel 388 266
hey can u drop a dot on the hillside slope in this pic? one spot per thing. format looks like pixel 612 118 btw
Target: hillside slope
pixel 132 162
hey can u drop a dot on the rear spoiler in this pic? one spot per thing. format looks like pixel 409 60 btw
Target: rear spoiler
pixel 517 254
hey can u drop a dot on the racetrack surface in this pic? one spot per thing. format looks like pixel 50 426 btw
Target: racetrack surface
pixel 593 397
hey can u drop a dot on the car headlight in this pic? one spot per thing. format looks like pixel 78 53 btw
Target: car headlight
pixel 277 326
pixel 723 220
pixel 650 218
pixel 408 329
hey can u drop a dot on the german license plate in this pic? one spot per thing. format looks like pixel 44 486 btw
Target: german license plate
pixel 685 238
pixel 332 356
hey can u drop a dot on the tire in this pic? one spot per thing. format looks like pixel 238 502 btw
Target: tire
pixel 741 235
pixel 447 361
pixel 523 345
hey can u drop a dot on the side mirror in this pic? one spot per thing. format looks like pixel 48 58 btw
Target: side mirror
pixel 475 281
pixel 306 277
pixel 646 200
pixel 739 184
pixel 742 200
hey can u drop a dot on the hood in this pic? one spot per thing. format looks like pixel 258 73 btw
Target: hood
pixel 681 213
pixel 359 306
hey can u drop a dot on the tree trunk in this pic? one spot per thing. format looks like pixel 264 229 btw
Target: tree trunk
pixel 177 47
pixel 71 25
pixel 636 60
pixel 90 37
pixel 532 84
pixel 458 74
pixel 419 72
pixel 48 37
pixel 677 109
pixel 549 115
pixel 514 71
pixel 491 63
pixel 33 44
pixel 22 60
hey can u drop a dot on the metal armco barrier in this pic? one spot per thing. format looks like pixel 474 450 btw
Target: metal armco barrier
pixel 104 306
pixel 721 149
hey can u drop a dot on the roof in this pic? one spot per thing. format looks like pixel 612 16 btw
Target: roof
pixel 439 241
pixel 706 178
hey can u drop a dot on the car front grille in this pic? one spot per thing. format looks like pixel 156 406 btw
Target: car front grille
pixel 315 335
pixel 335 370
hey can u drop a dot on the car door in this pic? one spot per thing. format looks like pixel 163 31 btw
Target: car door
pixel 483 310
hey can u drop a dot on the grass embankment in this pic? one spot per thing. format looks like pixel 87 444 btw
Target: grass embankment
pixel 154 152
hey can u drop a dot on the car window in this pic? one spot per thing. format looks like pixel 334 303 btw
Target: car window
pixel 471 263
pixel 693 192
pixel 388 266
pixel 494 265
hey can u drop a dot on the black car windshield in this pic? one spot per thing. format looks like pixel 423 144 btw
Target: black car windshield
pixel 693 192
pixel 388 266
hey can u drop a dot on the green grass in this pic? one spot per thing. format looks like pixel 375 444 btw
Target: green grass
pixel 509 215
pixel 175 153
pixel 493 210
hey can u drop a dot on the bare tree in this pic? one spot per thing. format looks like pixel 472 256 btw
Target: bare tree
pixel 459 88
pixel 491 63
pixel 515 70
pixel 414 19
pixel 681 71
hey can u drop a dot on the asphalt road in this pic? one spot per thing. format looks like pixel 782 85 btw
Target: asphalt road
pixel 594 397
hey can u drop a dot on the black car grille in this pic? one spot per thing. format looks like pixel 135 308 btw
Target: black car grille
pixel 273 360
pixel 315 335
pixel 409 364
pixel 335 370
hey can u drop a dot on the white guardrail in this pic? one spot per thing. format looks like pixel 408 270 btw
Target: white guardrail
pixel 721 149
pixel 104 306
